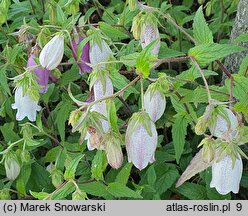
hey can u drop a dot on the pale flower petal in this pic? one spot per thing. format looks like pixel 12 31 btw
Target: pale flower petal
pixel 154 105
pixel 223 129
pixel 52 53
pixel 150 33
pixel 140 145
pixel 100 54
pixel 26 107
pixel 226 178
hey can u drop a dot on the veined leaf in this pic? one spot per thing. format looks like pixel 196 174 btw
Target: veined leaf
pixel 179 130
pixel 71 168
pixel 112 32
pixel 201 31
pixel 206 53
pixel 119 190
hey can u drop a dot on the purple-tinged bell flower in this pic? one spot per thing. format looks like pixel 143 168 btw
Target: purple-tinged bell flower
pixel 141 140
pixel 25 105
pixel 225 177
pixel 100 53
pixel 43 75
pixel 84 56
pixel 149 33
pixel 154 103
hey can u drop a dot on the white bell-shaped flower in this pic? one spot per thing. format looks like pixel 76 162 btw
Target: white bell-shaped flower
pixel 140 145
pixel 25 106
pixel 100 53
pixel 99 93
pixel 226 178
pixel 154 104
pixel 52 53
pixel 224 129
pixel 148 34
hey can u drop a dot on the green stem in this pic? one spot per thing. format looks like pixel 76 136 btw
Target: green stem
pixel 142 94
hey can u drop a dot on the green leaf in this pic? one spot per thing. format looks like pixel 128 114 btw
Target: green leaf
pixel 179 130
pixel 119 190
pixel 151 175
pixel 39 179
pixel 124 174
pixel 243 68
pixel 165 52
pixel 39 195
pixel 115 33
pixel 143 64
pixel 8 132
pixel 64 191
pixel 167 176
pixel 71 168
pixel 22 179
pixel 193 191
pixel 99 164
pixel 201 31
pixel 62 116
pixel 3 80
pixel 52 154
pixel 206 53
pixel 241 38
pixel 95 189
pixel 112 116
pixel 244 180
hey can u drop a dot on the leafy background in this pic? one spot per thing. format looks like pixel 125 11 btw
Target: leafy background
pixel 50 141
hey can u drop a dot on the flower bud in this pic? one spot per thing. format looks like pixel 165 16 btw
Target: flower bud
pixel 4 194
pixel 113 150
pixel 25 105
pixel 12 165
pixel 226 130
pixel 225 177
pixel 52 53
pixel 84 56
pixel 25 156
pixel 99 53
pixel 141 140
pixel 154 103
pixel 42 75
pixel 136 26
pixel 149 33
pixel 201 125
pixel 208 149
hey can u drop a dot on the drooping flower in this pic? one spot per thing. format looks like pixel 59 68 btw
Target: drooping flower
pixel 42 74
pixel 113 150
pixel 223 128
pixel 149 33
pixel 101 92
pixel 226 178
pixel 52 53
pixel 154 103
pixel 25 105
pixel 141 140
pixel 84 56
pixel 12 165
pixel 99 53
